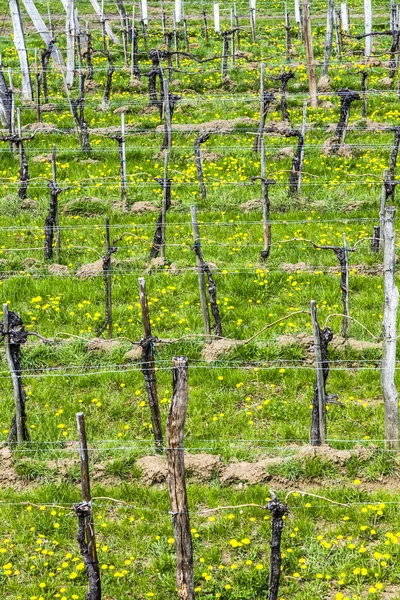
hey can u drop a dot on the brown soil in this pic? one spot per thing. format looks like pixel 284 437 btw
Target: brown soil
pixel 307 268
pixel 31 263
pixel 214 349
pixel 140 208
pixel 42 127
pixel 211 156
pixel 154 469
pixel 155 263
pixel 123 109
pixel 251 205
pixel 386 81
pixel 56 269
pixel 41 158
pixel 223 125
pixel 8 476
pixel 96 344
pixel 324 84
pixel 306 341
pixel 136 84
pixel 202 466
pixel 284 152
pixel 93 269
pixel 134 354
pixel 29 204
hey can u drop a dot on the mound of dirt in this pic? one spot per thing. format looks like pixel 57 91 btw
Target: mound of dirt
pixel 29 204
pixel 122 109
pixel 211 156
pixel 251 205
pixel 324 84
pixel 97 344
pixel 284 152
pixel 202 466
pixel 140 208
pixel 42 127
pixel 8 476
pixel 306 341
pixel 31 263
pixel 49 107
pixel 41 158
pixel 134 354
pixel 213 350
pixel 338 457
pixel 156 263
pixel 91 269
pixel 225 125
pixel 386 82
pixel 245 472
pixel 154 469
pixel 56 269
pixel 136 84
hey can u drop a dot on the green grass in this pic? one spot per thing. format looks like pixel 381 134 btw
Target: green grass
pixel 251 403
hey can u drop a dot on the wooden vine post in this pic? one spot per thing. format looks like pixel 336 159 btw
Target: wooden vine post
pixel 301 157
pixel 13 333
pixel 200 139
pixel 166 201
pixel 176 479
pixel 266 205
pixel 318 424
pixel 278 510
pixel 148 367
pixel 51 224
pixel 382 207
pixel 107 278
pixel 212 288
pixel 200 272
pixel 391 301
pixel 312 83
pixel 86 535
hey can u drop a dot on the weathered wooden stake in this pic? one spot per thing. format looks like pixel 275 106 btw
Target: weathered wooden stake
pixel 37 89
pixel 388 367
pixel 124 183
pixel 318 427
pixel 164 206
pixel 253 20
pixel 148 367
pixel 312 83
pixel 5 100
pixel 344 12
pixel 382 207
pixel 344 285
pixel 19 401
pixel 14 334
pixel 201 139
pixel 86 535
pixel 368 28
pixel 200 272
pixel 329 36
pixel 108 280
pixel 277 510
pixel 266 205
pixel 205 25
pixel 375 241
pixel 176 479
pixel 167 143
pixel 287 36
pixel 51 223
pixel 303 135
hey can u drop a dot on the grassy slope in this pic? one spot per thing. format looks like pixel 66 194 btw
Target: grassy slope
pixel 327 548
